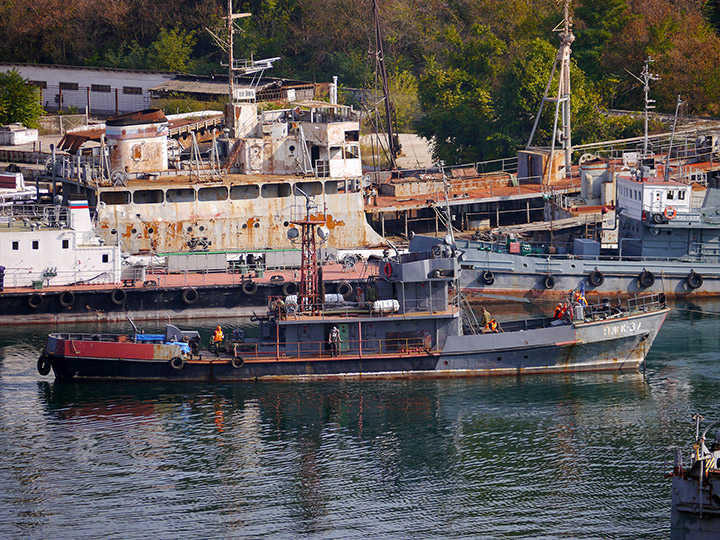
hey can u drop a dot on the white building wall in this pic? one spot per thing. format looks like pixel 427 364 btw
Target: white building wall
pixel 109 90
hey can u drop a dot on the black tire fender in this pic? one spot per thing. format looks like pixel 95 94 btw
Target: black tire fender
pixel 237 362
pixel 177 363
pixel 43 364
pixel 596 278
pixel 488 277
pixel 190 296
pixel 289 288
pixel 694 280
pixel 646 279
pixel 34 301
pixel 249 287
pixel 118 297
pixel 66 299
pixel 549 282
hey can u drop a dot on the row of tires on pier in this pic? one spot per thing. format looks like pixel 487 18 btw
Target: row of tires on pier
pixel 596 278
pixel 189 295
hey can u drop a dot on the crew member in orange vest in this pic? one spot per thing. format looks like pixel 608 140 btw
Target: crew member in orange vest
pixel 217 339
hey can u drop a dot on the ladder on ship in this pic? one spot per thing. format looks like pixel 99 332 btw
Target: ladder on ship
pixel 303 160
pixel 469 320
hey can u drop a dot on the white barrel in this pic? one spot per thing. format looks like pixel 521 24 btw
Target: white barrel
pixel 334 298
pixel 291 299
pixel 386 306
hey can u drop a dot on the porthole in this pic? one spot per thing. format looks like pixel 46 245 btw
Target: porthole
pixel 150 230
pixel 291 148
pixel 499 358
pixel 113 231
pixel 445 363
pixel 244 225
pixel 572 266
pixel 201 228
pixel 257 225
pixel 189 229
pixel 134 231
pixel 525 357
pixel 524 265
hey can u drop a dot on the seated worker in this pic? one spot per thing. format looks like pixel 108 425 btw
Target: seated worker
pixel 493 325
pixel 559 311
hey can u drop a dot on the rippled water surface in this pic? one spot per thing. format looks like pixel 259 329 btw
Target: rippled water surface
pixel 579 456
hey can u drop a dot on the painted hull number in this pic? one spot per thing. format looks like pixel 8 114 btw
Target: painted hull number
pixel 630 327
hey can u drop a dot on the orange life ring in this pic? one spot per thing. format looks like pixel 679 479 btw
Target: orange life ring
pixel 670 212
pixel 388 269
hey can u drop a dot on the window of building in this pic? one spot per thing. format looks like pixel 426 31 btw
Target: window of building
pixel 105 257
pixel 336 152
pixel 331 187
pixel 670 195
pixel 15 245
pixel 211 194
pixel 36 244
pixel 681 195
pixel 66 244
pixel 310 188
pixel 115 197
pixel 244 192
pixel 180 195
pixel 100 87
pixel 352 152
pixel 68 86
pixel 135 90
pixel 39 84
pixel 148 196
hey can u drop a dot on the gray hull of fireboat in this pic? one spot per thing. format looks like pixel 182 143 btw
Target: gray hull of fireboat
pixel 695 509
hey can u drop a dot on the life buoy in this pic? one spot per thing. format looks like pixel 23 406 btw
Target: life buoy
pixel 388 270
pixel 177 363
pixel 237 362
pixel 344 289
pixel 66 299
pixel 35 301
pixel 118 297
pixel 488 277
pixel 190 296
pixel 596 278
pixel 646 279
pixel 549 282
pixel 289 288
pixel 249 287
pixel 694 280
pixel 670 212
pixel 43 364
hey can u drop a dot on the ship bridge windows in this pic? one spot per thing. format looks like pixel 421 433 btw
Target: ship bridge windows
pixel 352 151
pixel 335 152
pixel 15 245
pixel 244 192
pixel 681 195
pixel 352 135
pixel 148 196
pixel 115 197
pixel 180 195
pixel 270 191
pixel 310 188
pixel 331 187
pixel 213 194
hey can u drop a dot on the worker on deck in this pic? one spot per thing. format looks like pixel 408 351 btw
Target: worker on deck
pixel 560 310
pixel 580 298
pixel 493 325
pixel 486 318
pixel 217 339
pixel 280 308
pixel 334 341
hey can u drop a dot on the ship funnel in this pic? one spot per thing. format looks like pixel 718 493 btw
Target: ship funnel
pixel 79 213
pixel 138 141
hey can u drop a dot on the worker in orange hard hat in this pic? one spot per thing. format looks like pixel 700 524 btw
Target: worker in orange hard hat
pixel 217 339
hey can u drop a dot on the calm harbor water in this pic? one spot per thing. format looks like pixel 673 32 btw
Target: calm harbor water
pixel 579 456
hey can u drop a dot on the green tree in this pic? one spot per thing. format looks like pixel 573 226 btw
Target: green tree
pixel 19 101
pixel 172 50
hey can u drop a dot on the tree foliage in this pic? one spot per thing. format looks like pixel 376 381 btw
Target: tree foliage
pixel 19 101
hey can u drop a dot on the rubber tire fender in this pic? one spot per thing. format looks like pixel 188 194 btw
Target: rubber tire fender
pixel 43 364
pixel 249 287
pixel 694 280
pixel 596 278
pixel 66 299
pixel 488 277
pixel 118 297
pixel 646 279
pixel 549 282
pixel 34 301
pixel 289 288
pixel 237 362
pixel 190 296
pixel 177 363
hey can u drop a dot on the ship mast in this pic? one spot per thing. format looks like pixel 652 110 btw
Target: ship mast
pixel 562 101
pixel 393 144
pixel 310 286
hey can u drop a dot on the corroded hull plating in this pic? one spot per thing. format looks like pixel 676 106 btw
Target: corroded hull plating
pixel 612 344
pixel 243 213
pixel 695 509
